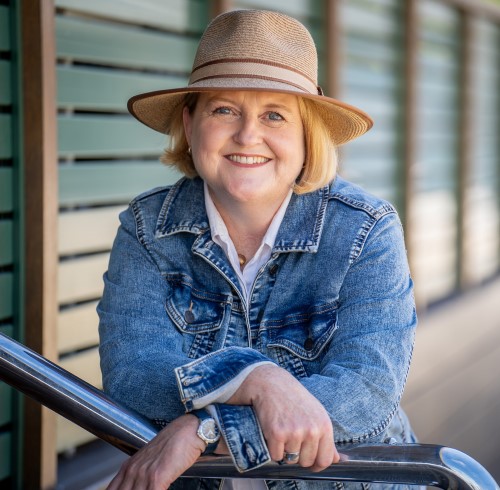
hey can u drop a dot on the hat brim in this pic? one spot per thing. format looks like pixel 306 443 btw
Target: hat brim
pixel 345 122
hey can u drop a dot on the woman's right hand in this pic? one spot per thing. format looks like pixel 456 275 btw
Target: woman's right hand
pixel 291 419
pixel 166 457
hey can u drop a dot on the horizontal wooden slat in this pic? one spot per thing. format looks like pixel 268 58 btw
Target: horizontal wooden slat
pixel 81 279
pixel 107 136
pixel 102 43
pixel 176 15
pixel 5 82
pixel 375 54
pixel 5 404
pixel 106 90
pixel 104 136
pixel 295 8
pixel 70 435
pixel 6 241
pixel 5 189
pixel 102 183
pixel 6 295
pixel 5 136
pixel 6 452
pixel 85 365
pixel 4 29
pixel 86 231
pixel 378 21
pixel 77 328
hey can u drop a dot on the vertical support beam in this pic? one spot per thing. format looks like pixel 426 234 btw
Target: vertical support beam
pixel 41 207
pixel 411 23
pixel 333 38
pixel 220 6
pixel 465 157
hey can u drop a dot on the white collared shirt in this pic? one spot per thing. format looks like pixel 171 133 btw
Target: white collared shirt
pixel 220 235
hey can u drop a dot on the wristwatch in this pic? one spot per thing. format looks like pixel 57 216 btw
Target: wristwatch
pixel 207 431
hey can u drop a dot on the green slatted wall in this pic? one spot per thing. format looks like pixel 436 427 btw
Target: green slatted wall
pixel 8 238
pixel 107 52
pixel 482 239
pixel 435 208
pixel 371 80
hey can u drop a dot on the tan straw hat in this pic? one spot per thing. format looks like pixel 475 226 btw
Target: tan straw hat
pixel 254 50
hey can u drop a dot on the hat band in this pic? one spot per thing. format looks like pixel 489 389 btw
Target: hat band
pixel 253 69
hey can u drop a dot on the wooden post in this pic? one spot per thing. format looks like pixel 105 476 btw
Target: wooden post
pixel 333 48
pixel 410 121
pixel 41 207
pixel 465 157
pixel 220 6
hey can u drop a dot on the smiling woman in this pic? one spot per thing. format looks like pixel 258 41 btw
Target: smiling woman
pixel 246 151
pixel 261 295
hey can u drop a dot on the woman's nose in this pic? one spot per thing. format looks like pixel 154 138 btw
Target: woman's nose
pixel 248 132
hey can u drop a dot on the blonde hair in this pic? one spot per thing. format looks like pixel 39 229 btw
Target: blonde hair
pixel 320 164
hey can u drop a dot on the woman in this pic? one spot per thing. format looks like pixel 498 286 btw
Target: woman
pixel 261 306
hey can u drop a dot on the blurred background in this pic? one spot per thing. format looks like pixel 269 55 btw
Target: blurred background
pixel 427 71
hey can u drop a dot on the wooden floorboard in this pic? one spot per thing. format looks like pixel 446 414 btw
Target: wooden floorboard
pixel 453 391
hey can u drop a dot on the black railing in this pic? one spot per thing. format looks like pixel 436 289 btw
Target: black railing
pixel 76 400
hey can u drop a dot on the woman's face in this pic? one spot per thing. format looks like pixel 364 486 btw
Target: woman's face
pixel 247 146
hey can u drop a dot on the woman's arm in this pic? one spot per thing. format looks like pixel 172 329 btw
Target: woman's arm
pixel 362 375
pixel 140 350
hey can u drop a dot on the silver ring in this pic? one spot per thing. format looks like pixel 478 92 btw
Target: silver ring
pixel 291 457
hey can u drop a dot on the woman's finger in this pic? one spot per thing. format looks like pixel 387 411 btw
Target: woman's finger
pixel 276 449
pixel 292 456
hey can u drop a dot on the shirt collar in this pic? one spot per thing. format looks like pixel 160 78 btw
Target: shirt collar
pixel 184 210
pixel 219 229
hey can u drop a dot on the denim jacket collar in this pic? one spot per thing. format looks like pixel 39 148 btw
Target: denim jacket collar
pixel 300 230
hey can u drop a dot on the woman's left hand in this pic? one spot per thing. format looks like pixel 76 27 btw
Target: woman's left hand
pixel 160 462
pixel 292 419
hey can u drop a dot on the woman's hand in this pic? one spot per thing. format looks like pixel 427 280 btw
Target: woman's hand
pixel 160 462
pixel 291 419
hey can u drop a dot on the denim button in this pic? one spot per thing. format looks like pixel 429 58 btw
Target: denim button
pixel 189 316
pixel 273 269
pixel 308 344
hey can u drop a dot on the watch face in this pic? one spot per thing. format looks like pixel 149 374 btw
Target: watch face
pixel 209 430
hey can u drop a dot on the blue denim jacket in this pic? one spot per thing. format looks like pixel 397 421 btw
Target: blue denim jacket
pixel 333 305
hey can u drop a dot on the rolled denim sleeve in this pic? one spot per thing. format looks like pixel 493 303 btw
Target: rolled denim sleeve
pixel 363 374
pixel 215 377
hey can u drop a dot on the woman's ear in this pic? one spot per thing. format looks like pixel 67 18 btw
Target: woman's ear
pixel 187 120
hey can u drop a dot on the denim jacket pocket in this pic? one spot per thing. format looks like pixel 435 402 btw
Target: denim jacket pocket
pixel 298 343
pixel 198 315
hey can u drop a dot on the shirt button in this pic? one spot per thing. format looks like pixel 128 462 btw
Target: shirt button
pixel 273 269
pixel 189 316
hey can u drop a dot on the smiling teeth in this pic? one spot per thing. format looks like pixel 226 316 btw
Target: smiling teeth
pixel 248 160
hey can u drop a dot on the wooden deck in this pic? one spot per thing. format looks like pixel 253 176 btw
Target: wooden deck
pixel 453 391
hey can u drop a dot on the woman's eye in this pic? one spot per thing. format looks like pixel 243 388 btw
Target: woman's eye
pixel 225 111
pixel 275 117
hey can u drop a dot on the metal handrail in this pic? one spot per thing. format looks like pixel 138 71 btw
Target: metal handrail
pixel 88 407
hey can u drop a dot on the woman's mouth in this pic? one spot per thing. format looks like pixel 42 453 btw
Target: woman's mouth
pixel 247 160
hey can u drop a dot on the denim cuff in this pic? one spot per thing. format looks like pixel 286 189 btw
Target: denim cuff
pixel 216 376
pixel 244 438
